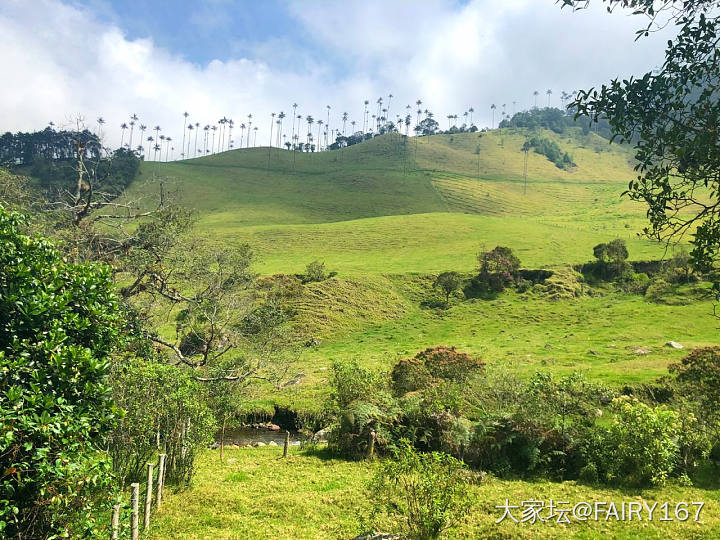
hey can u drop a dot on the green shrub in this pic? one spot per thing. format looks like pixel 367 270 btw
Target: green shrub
pixel 430 367
pixel 316 271
pixel 659 291
pixel 59 324
pixel 642 443
pixel 425 494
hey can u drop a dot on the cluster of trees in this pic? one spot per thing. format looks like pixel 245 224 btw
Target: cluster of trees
pixel 557 120
pixel 551 150
pixel 23 149
pixel 443 400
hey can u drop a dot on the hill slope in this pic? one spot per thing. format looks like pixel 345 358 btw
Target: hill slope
pixel 397 205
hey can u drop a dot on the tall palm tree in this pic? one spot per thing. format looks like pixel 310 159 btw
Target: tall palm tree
pixel 185 114
pixel 281 117
pixel 150 141
pixel 344 119
pixel 353 125
pixel 327 124
pixel 206 129
pixel 214 129
pixel 142 134
pixel 168 140
pixel 123 127
pixel 242 133
pixel 294 107
pixel 310 121
pixel 162 141
pixel 471 111
pixel 549 93
pixel 249 129
pixel 514 103
pixel 156 149
pixel 197 130
pixel 230 125
pixel 492 108
pixel 536 93
pixel 272 122
pixel 255 129
pixel 319 140
pixel 133 119
pixel 100 122
pixel 419 111
pixel 465 115
pixel 191 128
pixel 365 114
pixel 390 96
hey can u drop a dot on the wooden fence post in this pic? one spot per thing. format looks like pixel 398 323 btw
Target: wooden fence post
pixel 135 508
pixel 116 522
pixel 161 479
pixel 287 443
pixel 371 445
pixel 148 497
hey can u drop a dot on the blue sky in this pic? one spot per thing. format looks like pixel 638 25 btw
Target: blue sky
pixel 223 58
pixel 202 31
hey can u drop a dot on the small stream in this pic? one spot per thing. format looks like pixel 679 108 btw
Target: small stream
pixel 246 436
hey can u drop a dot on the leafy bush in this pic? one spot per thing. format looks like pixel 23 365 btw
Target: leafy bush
pixel 642 443
pixel 424 493
pixel 448 283
pixel 316 271
pixel 498 269
pixel 431 366
pixel 659 291
pixel 360 404
pixel 165 410
pixel 552 151
pixel 59 324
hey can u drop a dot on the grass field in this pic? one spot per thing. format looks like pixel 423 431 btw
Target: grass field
pixel 387 215
pixel 257 494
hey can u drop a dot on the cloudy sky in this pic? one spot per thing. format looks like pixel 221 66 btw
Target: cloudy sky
pixel 215 58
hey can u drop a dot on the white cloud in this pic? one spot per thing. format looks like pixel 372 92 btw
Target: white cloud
pixel 60 61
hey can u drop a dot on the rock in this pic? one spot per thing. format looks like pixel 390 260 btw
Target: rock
pixel 274 427
pixel 321 435
pixel 297 379
pixel 257 444
pixel 377 536
pixel 674 345
pixel 642 350
pixel 272 443
pixel 215 445
pixel 594 353
pixel 231 461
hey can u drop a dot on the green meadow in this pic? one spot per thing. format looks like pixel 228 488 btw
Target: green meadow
pixel 389 214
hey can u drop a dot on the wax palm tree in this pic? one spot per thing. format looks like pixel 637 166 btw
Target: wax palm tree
pixel 157 149
pixel 319 140
pixel 249 129
pixel 214 129
pixel 471 111
pixel 465 115
pixel 294 107
pixel 344 119
pixel 549 93
pixel 191 128
pixel 536 93
pixel 255 129
pixel 168 140
pixel 514 103
pixel 492 108
pixel 100 123
pixel 197 130
pixel 353 125
pixel 365 114
pixel 185 114
pixel 272 123
pixel 123 127
pixel 162 141
pixel 419 111
pixel 142 135
pixel 390 96
pixel 310 121
pixel 281 117
pixel 206 129
pixel 242 133
pixel 134 118
pixel 150 141
pixel 327 124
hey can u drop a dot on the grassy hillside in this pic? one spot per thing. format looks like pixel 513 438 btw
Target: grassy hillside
pixel 389 213
pixel 418 205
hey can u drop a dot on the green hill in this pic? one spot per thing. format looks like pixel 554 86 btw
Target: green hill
pixel 396 205
pixel 389 213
